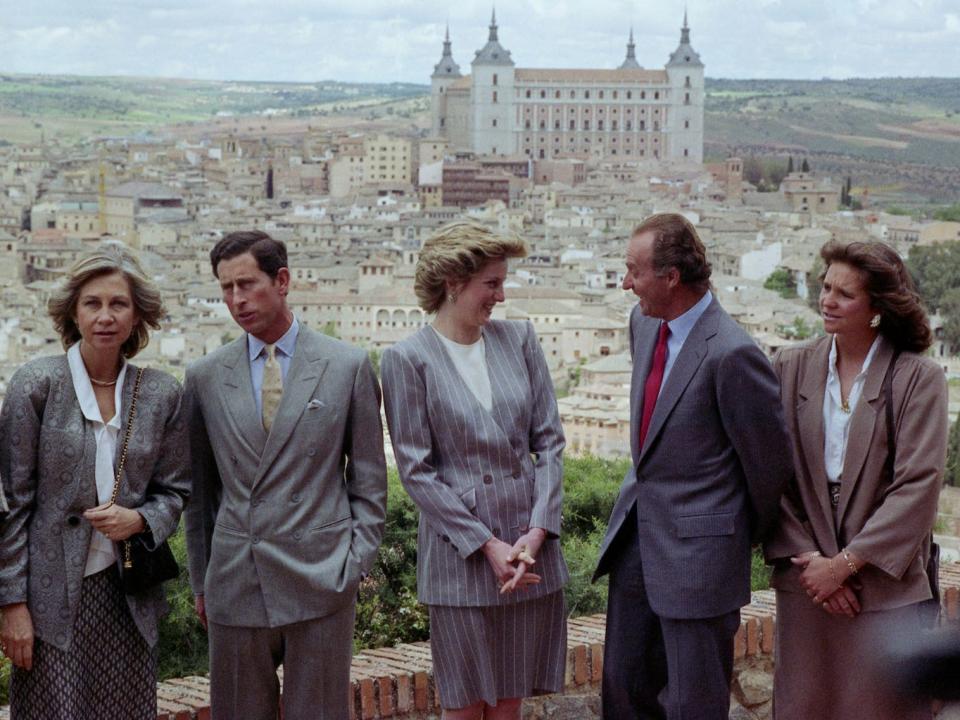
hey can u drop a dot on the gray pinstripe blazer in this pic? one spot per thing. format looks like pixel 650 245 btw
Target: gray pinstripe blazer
pixel 47 462
pixel 476 474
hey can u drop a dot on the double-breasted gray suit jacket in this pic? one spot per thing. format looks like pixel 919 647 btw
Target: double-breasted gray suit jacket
pixel 475 474
pixel 710 474
pixel 48 466
pixel 885 521
pixel 283 525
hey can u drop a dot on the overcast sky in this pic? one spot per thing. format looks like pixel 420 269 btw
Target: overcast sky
pixel 383 41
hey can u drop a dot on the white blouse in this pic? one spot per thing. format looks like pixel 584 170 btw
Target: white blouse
pixel 471 363
pixel 836 420
pixel 101 554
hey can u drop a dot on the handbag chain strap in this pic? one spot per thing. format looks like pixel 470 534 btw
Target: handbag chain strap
pixel 127 562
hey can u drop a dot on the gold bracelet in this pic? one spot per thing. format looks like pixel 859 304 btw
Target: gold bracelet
pixel 846 556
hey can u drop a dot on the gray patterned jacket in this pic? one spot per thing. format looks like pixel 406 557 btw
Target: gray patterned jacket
pixel 47 467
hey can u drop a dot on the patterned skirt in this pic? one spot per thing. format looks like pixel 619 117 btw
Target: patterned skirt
pixel 499 652
pixel 108 672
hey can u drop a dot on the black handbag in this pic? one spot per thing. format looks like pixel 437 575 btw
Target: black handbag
pixel 143 568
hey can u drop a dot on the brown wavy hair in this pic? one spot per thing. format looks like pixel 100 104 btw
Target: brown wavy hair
pixel 107 259
pixel 903 320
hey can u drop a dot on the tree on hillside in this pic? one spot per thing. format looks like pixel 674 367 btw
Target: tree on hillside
pixel 782 281
pixel 752 170
pixel 805 167
pixel 948 214
pixel 789 164
pixel 950 312
pixel 936 269
pixel 814 283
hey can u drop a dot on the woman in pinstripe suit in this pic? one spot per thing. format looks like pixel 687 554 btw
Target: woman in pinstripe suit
pixel 478 443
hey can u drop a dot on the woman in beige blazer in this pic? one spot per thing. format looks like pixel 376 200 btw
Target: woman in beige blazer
pixel 82 649
pixel 478 443
pixel 851 550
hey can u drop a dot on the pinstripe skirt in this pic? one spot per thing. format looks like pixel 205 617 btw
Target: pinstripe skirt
pixel 498 652
pixel 109 670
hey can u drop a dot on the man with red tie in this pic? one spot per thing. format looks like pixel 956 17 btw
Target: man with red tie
pixel 711 458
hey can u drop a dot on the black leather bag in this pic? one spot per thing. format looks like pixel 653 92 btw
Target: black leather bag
pixel 143 568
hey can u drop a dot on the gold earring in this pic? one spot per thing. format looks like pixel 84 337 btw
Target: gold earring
pixel 875 321
pixel 452 297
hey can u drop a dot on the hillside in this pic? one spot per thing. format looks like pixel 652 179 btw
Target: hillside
pixel 899 137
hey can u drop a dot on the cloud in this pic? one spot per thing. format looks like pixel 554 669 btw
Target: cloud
pixel 376 40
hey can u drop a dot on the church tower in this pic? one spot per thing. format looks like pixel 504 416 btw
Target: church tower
pixel 445 73
pixel 491 97
pixel 686 78
pixel 631 62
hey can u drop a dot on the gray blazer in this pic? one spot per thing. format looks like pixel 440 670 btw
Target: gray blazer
pixel 476 474
pixel 283 526
pixel 710 474
pixel 47 463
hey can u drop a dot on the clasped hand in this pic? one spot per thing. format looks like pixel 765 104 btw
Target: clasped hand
pixel 819 578
pixel 114 521
pixel 511 563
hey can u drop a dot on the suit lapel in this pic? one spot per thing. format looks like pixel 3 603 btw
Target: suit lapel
pixel 863 424
pixel 644 343
pixel 306 368
pixel 684 368
pixel 238 394
pixel 810 424
pixel 497 357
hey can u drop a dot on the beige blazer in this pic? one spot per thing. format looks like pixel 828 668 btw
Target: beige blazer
pixel 886 523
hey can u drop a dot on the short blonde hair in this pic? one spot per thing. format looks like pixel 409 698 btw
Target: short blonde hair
pixel 107 259
pixel 455 253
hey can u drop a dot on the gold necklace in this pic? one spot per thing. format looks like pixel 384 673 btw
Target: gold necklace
pixel 844 405
pixel 103 383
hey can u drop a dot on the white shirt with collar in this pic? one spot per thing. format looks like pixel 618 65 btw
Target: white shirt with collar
pixel 285 346
pixel 101 554
pixel 680 328
pixel 836 420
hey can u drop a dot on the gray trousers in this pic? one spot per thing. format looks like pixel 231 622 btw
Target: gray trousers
pixel 315 655
pixel 659 668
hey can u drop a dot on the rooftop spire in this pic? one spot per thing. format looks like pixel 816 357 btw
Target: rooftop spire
pixel 631 60
pixel 493 26
pixel 493 53
pixel 446 67
pixel 685 30
pixel 685 54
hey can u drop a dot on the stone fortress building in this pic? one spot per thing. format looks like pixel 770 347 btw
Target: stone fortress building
pixel 627 112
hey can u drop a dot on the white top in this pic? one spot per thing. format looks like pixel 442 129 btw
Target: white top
pixel 471 363
pixel 836 420
pixel 101 554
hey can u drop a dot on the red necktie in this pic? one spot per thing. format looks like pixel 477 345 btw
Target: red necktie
pixel 651 388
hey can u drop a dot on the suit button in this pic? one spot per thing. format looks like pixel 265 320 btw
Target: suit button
pixel 73 521
pixel 455 548
pixel 496 532
pixel 234 458
pixel 311 452
pixel 256 539
pixel 295 497
pixel 446 538
pixel 487 480
pixel 298 534
pixel 516 474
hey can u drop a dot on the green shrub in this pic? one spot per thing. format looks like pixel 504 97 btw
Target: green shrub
pixel 183 641
pixel 581 551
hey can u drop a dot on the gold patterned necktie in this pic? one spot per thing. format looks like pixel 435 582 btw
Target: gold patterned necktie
pixel 271 390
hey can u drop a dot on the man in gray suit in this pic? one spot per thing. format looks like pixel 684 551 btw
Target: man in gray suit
pixel 711 458
pixel 290 492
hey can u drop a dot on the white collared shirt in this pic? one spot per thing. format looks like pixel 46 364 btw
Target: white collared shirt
pixel 285 345
pixel 471 363
pixel 101 554
pixel 836 421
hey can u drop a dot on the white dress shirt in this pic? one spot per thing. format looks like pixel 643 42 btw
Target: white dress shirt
pixel 101 554
pixel 471 363
pixel 836 420
pixel 285 346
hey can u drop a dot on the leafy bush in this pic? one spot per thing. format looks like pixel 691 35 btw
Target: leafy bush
pixel 183 641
